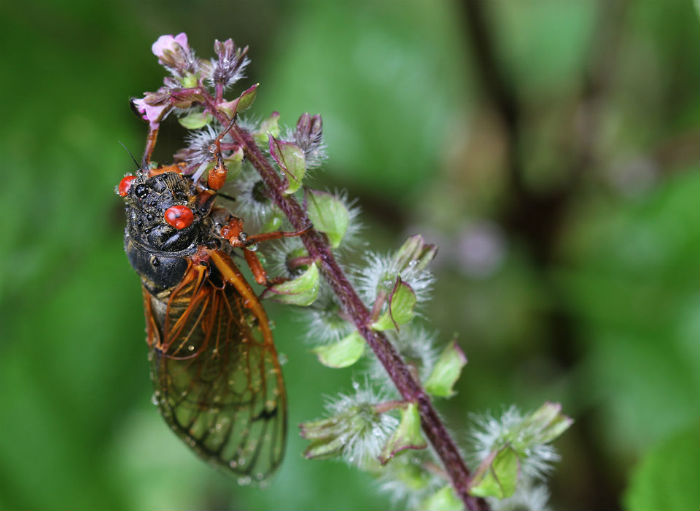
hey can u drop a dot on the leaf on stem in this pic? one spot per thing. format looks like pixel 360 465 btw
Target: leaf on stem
pixel 343 353
pixel 241 103
pixel 268 128
pixel 195 120
pixel 407 436
pixel 290 158
pixel 303 290
pixel 401 308
pixel 329 215
pixel 445 499
pixel 497 476
pixel 446 371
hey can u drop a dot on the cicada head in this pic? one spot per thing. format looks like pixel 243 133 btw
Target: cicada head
pixel 166 219
pixel 161 211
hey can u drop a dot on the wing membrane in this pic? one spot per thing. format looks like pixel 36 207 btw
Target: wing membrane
pixel 214 365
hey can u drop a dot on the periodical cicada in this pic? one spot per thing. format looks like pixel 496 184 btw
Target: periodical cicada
pixel 218 381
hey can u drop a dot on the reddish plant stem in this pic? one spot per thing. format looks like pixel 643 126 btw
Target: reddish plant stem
pixel 317 246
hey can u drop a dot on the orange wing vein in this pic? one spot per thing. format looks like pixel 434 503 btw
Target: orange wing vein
pixel 215 369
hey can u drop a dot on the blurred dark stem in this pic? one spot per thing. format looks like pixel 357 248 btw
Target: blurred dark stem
pixel 319 250
pixel 493 82
pixel 536 217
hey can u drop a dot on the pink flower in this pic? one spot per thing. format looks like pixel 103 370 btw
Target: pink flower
pixel 150 113
pixel 175 54
pixel 168 42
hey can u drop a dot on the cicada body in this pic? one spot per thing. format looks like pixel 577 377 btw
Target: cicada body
pixel 218 382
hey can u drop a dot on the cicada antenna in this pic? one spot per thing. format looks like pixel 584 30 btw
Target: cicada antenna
pixel 133 158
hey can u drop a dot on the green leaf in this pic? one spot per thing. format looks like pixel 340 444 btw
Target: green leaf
pixel 302 290
pixel 343 353
pixel 291 160
pixel 446 371
pixel 268 128
pixel 195 120
pixel 400 311
pixel 497 476
pixel 445 499
pixel 329 215
pixel 407 436
pixel 668 475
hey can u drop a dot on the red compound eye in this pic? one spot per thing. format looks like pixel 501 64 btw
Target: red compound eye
pixel 125 184
pixel 179 216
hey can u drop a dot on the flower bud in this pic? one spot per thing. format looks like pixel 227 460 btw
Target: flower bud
pixel 231 63
pixel 355 430
pixel 309 137
pixel 174 53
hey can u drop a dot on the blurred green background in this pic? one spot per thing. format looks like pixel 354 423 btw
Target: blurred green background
pixel 549 147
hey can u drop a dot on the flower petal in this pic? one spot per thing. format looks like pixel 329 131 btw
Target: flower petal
pixel 169 42
pixel 150 113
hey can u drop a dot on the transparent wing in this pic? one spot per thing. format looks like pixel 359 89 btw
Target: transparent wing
pixel 218 381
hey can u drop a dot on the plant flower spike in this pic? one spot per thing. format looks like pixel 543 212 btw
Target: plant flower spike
pixel 236 192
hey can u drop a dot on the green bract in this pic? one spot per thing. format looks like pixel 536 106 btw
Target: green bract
pixel 497 475
pixel 343 353
pixel 400 310
pixel 329 215
pixel 445 499
pixel 414 253
pixel 234 163
pixel 446 371
pixel 407 436
pixel 241 103
pixel 195 120
pixel 542 426
pixel 189 80
pixel 272 224
pixel 302 290
pixel 290 159
pixel 268 128
pixel 327 437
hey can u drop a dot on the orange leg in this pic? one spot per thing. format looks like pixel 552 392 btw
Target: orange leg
pixel 268 236
pixel 150 145
pixel 217 175
pixel 234 234
pixel 251 258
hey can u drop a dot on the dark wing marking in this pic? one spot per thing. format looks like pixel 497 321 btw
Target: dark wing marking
pixel 218 381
